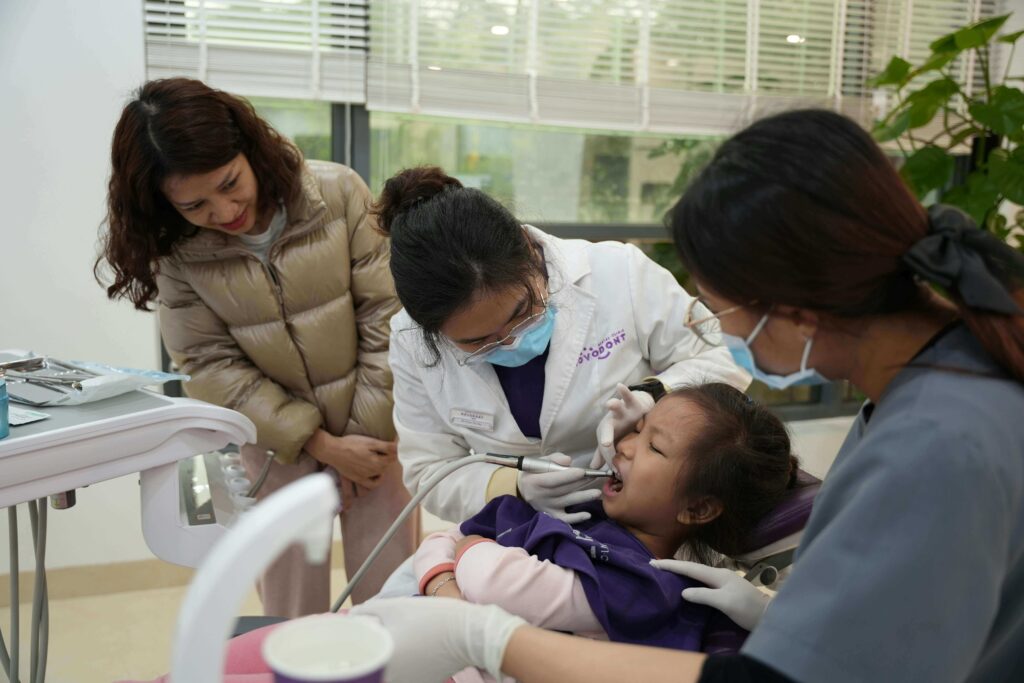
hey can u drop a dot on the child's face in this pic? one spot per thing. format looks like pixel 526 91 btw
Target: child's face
pixel 649 461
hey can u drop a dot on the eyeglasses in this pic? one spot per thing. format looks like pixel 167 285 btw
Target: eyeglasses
pixel 519 329
pixel 707 328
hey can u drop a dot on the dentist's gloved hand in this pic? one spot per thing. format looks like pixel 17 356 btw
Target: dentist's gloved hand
pixel 436 637
pixel 624 411
pixel 552 492
pixel 728 592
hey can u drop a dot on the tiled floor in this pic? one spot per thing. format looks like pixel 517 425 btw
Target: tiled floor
pixel 105 638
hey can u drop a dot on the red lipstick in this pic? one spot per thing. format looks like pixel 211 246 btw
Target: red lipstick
pixel 237 223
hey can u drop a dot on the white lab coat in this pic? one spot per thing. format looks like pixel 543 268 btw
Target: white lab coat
pixel 619 318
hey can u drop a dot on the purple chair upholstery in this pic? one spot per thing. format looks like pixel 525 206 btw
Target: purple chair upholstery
pixel 765 551
pixel 789 516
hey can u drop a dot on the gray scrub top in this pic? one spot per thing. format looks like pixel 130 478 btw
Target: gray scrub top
pixel 911 567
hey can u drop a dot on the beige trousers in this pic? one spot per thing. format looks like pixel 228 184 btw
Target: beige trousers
pixel 291 587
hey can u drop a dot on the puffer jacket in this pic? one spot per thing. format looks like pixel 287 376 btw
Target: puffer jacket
pixel 297 344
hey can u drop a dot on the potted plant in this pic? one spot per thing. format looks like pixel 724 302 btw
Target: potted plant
pixel 988 125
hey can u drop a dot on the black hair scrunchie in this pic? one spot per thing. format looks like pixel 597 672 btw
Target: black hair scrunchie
pixel 959 256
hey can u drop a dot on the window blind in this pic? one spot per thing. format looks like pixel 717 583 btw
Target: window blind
pixel 302 49
pixel 669 66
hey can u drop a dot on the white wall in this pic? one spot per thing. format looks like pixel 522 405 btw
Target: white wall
pixel 66 69
pixel 817 442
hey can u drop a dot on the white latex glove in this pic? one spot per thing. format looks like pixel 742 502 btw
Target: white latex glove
pixel 552 492
pixel 624 411
pixel 728 592
pixel 436 637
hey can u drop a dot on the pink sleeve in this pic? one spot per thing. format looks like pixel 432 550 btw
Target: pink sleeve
pixel 435 555
pixel 544 594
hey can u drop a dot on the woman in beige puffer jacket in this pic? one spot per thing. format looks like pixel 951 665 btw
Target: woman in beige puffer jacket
pixel 275 295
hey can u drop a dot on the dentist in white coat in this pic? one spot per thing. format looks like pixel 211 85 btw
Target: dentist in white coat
pixel 513 341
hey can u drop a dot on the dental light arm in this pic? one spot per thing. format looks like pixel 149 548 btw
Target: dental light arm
pixel 519 462
pixel 301 512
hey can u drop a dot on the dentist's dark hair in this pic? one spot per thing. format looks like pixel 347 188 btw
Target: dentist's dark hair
pixel 179 126
pixel 804 209
pixel 449 245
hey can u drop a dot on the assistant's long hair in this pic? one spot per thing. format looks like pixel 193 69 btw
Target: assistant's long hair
pixel 179 126
pixel 804 209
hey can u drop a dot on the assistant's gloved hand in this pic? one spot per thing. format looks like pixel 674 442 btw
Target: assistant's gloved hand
pixel 552 492
pixel 728 592
pixel 436 637
pixel 624 411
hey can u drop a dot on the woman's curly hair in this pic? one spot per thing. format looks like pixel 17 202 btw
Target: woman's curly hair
pixel 179 126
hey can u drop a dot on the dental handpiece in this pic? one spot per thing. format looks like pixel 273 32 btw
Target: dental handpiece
pixel 539 465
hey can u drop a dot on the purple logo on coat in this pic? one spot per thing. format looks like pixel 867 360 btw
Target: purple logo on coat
pixel 603 349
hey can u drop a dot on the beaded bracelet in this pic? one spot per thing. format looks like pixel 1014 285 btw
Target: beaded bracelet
pixel 433 593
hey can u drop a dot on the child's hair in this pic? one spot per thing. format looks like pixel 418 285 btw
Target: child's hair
pixel 741 456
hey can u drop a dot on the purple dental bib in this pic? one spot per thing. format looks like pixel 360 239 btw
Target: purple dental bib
pixel 633 601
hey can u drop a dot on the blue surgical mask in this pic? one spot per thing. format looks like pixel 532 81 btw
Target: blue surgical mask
pixel 744 357
pixel 526 346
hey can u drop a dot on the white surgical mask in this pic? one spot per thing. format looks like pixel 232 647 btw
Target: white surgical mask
pixel 744 357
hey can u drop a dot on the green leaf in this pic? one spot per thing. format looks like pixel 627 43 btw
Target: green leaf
pixel 946 43
pixel 927 169
pixel 897 72
pixel 1007 173
pixel 935 62
pixel 924 104
pixel 1004 114
pixel 974 35
pixel 980 33
pixel 962 136
pixel 1011 38
pixel 884 132
pixel 978 196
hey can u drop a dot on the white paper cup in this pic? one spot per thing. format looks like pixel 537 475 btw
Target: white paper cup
pixel 329 648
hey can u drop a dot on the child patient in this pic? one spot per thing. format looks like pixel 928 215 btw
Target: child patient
pixel 700 470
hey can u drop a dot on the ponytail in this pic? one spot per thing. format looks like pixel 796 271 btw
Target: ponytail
pixel 1000 334
pixel 406 189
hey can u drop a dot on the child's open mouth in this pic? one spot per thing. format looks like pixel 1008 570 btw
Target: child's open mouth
pixel 613 486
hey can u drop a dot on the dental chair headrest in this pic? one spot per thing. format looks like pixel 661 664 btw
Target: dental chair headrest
pixel 788 517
